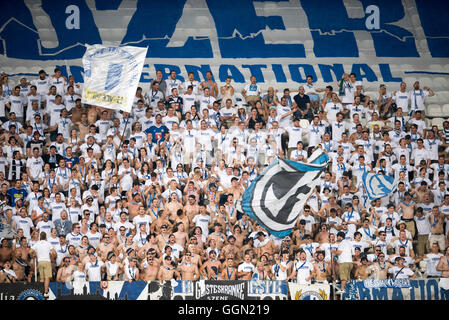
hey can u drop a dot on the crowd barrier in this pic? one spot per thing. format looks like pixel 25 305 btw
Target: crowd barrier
pixel 423 289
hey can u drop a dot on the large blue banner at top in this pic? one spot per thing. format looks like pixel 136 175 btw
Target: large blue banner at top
pixel 50 30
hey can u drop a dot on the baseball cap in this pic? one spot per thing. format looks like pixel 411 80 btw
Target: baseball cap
pixel 398 258
pixel 36 132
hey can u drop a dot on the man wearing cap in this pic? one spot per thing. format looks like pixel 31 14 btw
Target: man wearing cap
pixel 400 271
pixel 167 270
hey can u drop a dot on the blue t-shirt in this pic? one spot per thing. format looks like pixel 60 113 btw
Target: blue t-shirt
pixel 71 162
pixel 157 132
pixel 14 194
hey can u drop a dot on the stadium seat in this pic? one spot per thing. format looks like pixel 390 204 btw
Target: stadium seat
pixel 434 110
pixel 445 110
pixel 438 122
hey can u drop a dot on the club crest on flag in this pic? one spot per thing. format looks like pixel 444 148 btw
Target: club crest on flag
pixel 378 185
pixel 276 197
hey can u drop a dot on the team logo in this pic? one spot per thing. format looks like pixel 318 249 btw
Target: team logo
pixel 104 285
pixel 31 294
pixel 311 295
pixel 277 195
pixel 378 185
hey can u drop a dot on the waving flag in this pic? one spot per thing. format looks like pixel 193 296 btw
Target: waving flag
pixel 111 75
pixel 378 185
pixel 276 197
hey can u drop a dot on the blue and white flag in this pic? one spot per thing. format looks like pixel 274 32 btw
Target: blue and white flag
pixel 276 197
pixel 111 75
pixel 378 185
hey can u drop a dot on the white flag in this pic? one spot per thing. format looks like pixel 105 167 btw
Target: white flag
pixel 111 75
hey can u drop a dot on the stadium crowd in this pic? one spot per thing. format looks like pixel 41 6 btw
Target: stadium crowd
pixel 96 194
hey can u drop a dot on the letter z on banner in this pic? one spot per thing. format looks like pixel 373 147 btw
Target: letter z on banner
pixel 276 197
pixel 111 75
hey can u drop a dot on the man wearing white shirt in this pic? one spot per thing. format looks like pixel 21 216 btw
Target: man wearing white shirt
pixel 418 97
pixel 356 107
pixel 402 97
pixel 172 83
pixel 252 92
pixel 189 99
pixel 154 95
pixel 344 253
pixel 44 252
pixel 191 82
pixel 420 153
pixel 431 144
pixel 332 108
pixel 59 81
pixel 315 133
pixel 206 101
pixel 303 270
pixel 15 103
pixel 41 83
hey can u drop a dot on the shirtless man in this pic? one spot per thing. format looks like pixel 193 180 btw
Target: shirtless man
pixel 191 208
pixel 443 266
pixel 323 235
pixel 218 236
pixel 436 219
pixel 212 267
pixel 167 271
pixel 24 251
pixel 361 271
pixel 236 188
pixel 172 207
pixel 229 271
pixel 105 247
pixel 23 269
pixel 153 210
pixel 408 212
pixel 188 269
pixel 92 114
pixel 182 217
pixel 151 269
pixel 161 221
pixel 266 246
pixel 163 237
pixel 324 212
pixel 230 248
pixel 322 268
pixel 5 252
pixel 150 246
pixel 180 234
pixel 65 271
pixel 379 268
pixel 134 206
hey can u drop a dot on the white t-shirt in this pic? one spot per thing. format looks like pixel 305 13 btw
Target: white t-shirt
pixel 94 270
pixel 202 222
pixel 42 249
pixel 402 274
pixel 345 247
pixel 303 271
